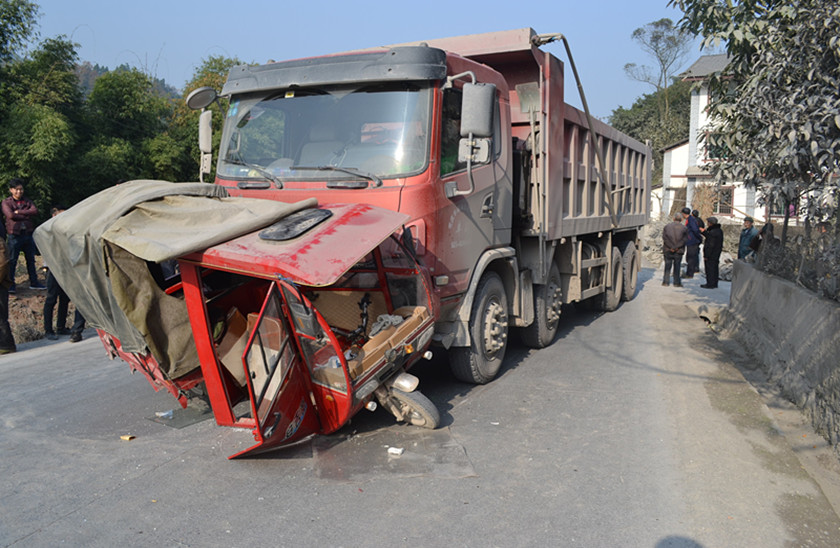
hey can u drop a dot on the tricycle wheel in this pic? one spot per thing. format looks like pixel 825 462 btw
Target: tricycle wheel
pixel 417 409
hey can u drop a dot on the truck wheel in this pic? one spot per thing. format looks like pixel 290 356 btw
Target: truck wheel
pixel 417 409
pixel 612 296
pixel 480 362
pixel 631 274
pixel 547 304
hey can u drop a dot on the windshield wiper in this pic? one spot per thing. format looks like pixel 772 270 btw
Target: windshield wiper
pixel 267 174
pixel 348 170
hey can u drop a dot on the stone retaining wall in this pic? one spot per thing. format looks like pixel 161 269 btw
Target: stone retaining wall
pixel 795 337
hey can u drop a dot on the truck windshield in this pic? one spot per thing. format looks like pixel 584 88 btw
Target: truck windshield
pixel 372 133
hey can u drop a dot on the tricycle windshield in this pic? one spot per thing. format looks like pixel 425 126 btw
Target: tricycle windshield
pixel 269 356
pixel 359 134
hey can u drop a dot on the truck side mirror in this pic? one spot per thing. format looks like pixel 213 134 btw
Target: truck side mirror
pixel 474 151
pixel 205 143
pixel 477 106
pixel 202 97
pixel 205 132
pixel 477 110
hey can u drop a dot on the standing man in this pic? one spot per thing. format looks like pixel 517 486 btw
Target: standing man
pixel 692 244
pixel 55 295
pixel 747 234
pixel 711 252
pixel 7 341
pixel 20 213
pixel 674 236
pixel 700 224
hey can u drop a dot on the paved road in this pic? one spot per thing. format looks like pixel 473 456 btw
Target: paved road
pixel 633 429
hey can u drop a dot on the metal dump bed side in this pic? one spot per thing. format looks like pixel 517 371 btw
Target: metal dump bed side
pixel 564 196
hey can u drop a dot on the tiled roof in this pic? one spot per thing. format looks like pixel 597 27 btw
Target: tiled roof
pixel 706 66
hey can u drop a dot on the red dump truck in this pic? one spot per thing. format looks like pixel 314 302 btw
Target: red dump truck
pixel 443 195
pixel 513 215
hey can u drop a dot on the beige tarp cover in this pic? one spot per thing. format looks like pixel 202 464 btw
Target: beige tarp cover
pixel 98 251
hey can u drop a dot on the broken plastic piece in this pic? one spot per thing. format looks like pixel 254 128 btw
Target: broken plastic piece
pixel 295 224
pixel 164 414
pixel 384 321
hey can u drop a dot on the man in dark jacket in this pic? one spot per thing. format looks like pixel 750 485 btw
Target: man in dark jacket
pixel 747 234
pixel 20 213
pixel 711 252
pixel 673 246
pixel 7 340
pixel 692 244
pixel 700 224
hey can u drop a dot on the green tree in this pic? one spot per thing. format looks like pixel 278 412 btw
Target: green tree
pixel 668 46
pixel 123 104
pixel 39 130
pixel 17 26
pixel 184 127
pixel 88 74
pixel 775 109
pixel 643 120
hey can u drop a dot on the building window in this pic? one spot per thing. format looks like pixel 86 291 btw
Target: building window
pixel 715 148
pixel 777 209
pixel 723 201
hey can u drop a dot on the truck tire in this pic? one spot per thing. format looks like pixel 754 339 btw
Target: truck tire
pixel 612 296
pixel 417 409
pixel 631 274
pixel 480 362
pixel 547 306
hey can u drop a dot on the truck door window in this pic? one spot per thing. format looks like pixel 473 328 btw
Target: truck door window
pixel 451 132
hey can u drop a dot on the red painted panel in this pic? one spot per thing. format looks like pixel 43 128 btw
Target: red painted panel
pixel 318 257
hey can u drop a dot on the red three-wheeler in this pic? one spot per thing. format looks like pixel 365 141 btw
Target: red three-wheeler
pixel 293 327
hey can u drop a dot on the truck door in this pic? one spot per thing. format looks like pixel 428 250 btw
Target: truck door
pixel 277 380
pixel 468 223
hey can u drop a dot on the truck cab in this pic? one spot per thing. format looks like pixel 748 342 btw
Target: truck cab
pixel 382 128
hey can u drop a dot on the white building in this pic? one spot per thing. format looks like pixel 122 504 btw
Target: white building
pixel 682 168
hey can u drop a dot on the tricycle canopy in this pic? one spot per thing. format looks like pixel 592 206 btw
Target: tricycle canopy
pixel 107 250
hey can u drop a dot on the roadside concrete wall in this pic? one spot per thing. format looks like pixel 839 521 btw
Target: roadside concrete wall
pixel 795 337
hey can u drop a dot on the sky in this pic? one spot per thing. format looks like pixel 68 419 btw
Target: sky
pixel 170 39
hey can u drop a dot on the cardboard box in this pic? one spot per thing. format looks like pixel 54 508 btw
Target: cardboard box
pixel 375 348
pixel 233 343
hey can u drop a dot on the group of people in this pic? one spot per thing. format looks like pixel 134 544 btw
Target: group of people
pixel 683 236
pixel 20 214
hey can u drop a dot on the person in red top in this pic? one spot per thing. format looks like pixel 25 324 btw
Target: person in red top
pixel 20 216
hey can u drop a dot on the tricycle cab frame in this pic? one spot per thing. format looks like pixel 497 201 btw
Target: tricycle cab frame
pixel 297 341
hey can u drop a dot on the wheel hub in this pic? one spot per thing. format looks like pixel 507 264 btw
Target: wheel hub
pixel 555 303
pixel 495 328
